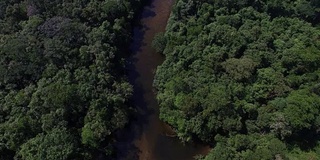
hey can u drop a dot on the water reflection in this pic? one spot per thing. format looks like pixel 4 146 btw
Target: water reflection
pixel 145 138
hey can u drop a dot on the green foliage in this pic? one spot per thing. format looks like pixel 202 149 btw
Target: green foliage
pixel 239 69
pixel 159 42
pixel 251 147
pixel 302 109
pixel 57 144
pixel 63 91
pixel 244 72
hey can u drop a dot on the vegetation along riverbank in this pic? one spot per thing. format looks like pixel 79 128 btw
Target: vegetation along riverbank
pixel 243 76
pixel 240 76
pixel 63 87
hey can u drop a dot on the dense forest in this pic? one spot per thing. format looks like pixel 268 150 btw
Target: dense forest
pixel 63 89
pixel 243 76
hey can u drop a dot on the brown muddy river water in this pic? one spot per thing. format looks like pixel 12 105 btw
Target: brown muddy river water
pixel 146 138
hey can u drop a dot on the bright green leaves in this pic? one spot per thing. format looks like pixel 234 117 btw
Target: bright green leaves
pixel 299 111
pixel 302 109
pixel 103 118
pixel 97 126
pixel 240 69
pixel 248 71
pixel 57 144
pixel 186 103
pixel 269 84
pixel 249 147
pixel 94 133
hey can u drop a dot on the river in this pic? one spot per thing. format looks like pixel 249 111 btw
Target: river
pixel 146 138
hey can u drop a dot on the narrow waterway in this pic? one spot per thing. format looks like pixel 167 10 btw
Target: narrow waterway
pixel 146 138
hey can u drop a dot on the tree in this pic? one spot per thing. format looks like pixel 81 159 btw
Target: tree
pixel 58 58
pixel 246 72
pixel 57 144
pixel 240 69
pixel 159 42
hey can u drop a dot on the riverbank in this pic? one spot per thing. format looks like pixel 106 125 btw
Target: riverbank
pixel 148 135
